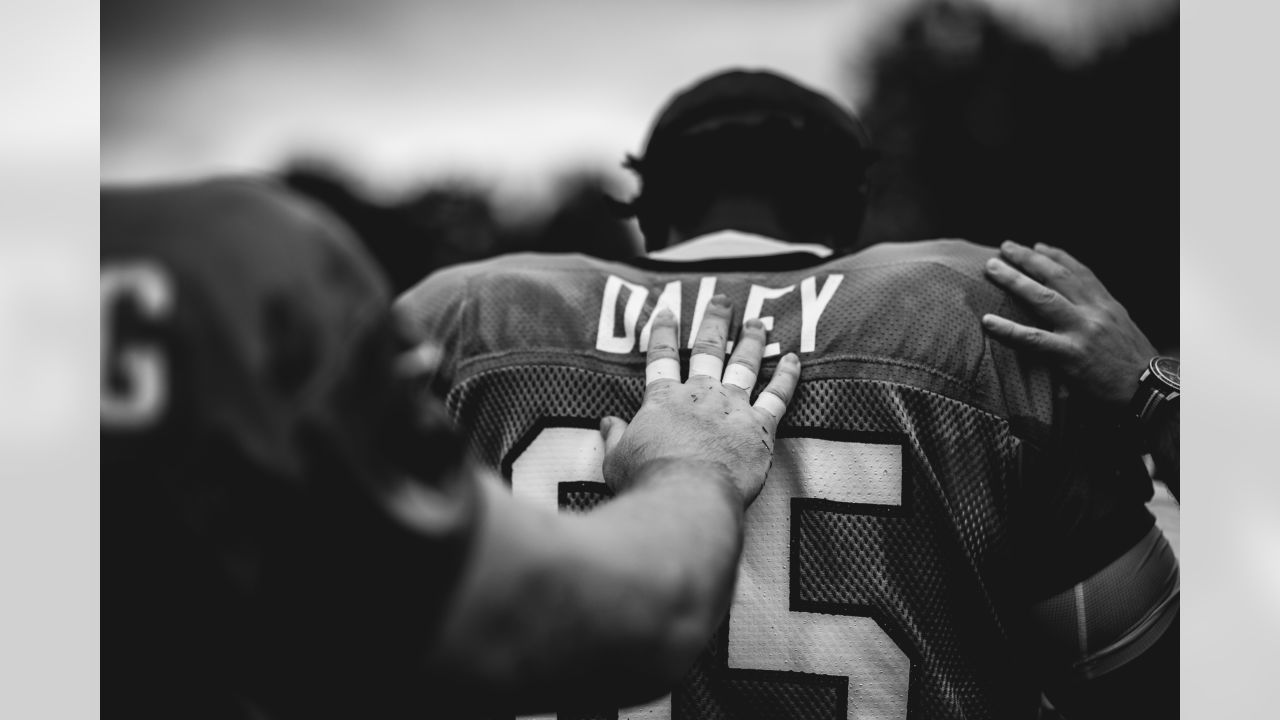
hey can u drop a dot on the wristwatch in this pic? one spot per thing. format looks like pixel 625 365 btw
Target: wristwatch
pixel 1160 384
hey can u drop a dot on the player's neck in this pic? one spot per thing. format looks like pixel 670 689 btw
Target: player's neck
pixel 737 212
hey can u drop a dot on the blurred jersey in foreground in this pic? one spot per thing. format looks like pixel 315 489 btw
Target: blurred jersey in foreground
pixel 257 564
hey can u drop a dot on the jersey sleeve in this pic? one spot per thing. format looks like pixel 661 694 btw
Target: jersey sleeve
pixel 433 315
pixel 1086 495
pixel 1079 486
pixel 1083 486
pixel 1103 580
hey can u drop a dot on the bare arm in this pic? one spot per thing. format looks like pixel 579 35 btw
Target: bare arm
pixel 612 607
pixel 608 608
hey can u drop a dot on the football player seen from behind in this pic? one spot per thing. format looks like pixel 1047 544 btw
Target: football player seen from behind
pixel 945 531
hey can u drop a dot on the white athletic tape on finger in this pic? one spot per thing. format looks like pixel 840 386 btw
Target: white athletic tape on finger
pixel 771 404
pixel 662 369
pixel 705 364
pixel 740 376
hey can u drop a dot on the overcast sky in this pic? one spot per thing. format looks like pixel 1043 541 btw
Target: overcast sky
pixel 502 90
pixel 405 89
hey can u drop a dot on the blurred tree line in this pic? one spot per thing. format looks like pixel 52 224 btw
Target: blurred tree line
pixel 987 136
pixel 455 222
pixel 984 134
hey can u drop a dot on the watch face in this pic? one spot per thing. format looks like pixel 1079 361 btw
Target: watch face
pixel 1166 368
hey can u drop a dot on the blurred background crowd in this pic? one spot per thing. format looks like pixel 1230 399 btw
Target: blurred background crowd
pixel 444 133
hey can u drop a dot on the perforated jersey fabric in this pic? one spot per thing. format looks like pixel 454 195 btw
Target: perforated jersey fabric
pixel 928 484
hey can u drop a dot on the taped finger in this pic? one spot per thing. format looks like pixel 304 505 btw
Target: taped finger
pixel 744 364
pixel 777 394
pixel 704 364
pixel 663 358
pixel 770 404
pixel 662 369
pixel 740 376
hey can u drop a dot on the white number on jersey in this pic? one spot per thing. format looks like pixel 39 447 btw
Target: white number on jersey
pixel 764 634
pixel 141 399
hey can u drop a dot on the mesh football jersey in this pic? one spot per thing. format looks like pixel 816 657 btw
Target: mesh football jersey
pixel 246 376
pixel 928 483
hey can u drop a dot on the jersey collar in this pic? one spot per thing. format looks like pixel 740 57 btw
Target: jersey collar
pixel 733 243
pixel 733 251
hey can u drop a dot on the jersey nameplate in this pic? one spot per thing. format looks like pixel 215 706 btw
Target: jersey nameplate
pixel 618 332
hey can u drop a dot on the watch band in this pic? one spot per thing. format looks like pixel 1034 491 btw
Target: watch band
pixel 1147 402
pixel 1153 392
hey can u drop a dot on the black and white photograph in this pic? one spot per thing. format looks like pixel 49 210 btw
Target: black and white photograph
pixel 664 360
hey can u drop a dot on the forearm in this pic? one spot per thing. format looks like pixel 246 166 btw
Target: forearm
pixel 614 605
pixel 666 553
